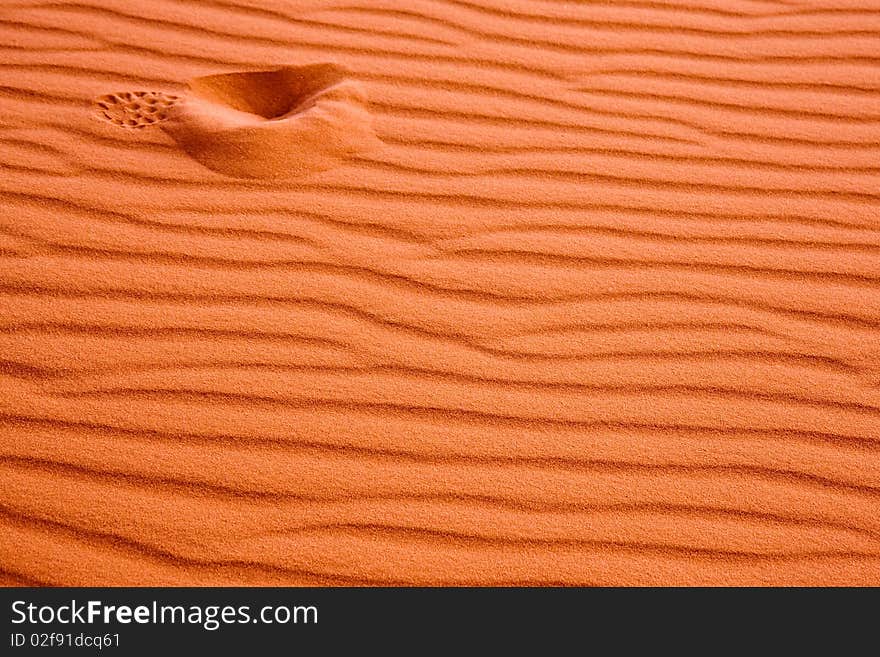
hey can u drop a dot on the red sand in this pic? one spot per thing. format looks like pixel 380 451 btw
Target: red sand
pixel 602 306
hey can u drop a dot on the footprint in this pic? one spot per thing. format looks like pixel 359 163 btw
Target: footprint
pixel 280 123
pixel 137 109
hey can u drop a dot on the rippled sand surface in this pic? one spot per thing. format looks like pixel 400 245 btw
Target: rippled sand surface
pixel 439 292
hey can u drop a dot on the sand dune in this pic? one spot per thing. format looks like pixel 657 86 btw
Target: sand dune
pixel 439 292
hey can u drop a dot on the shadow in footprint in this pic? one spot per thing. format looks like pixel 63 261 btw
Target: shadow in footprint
pixel 281 123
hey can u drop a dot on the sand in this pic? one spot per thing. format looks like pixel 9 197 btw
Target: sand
pixel 284 123
pixel 439 292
